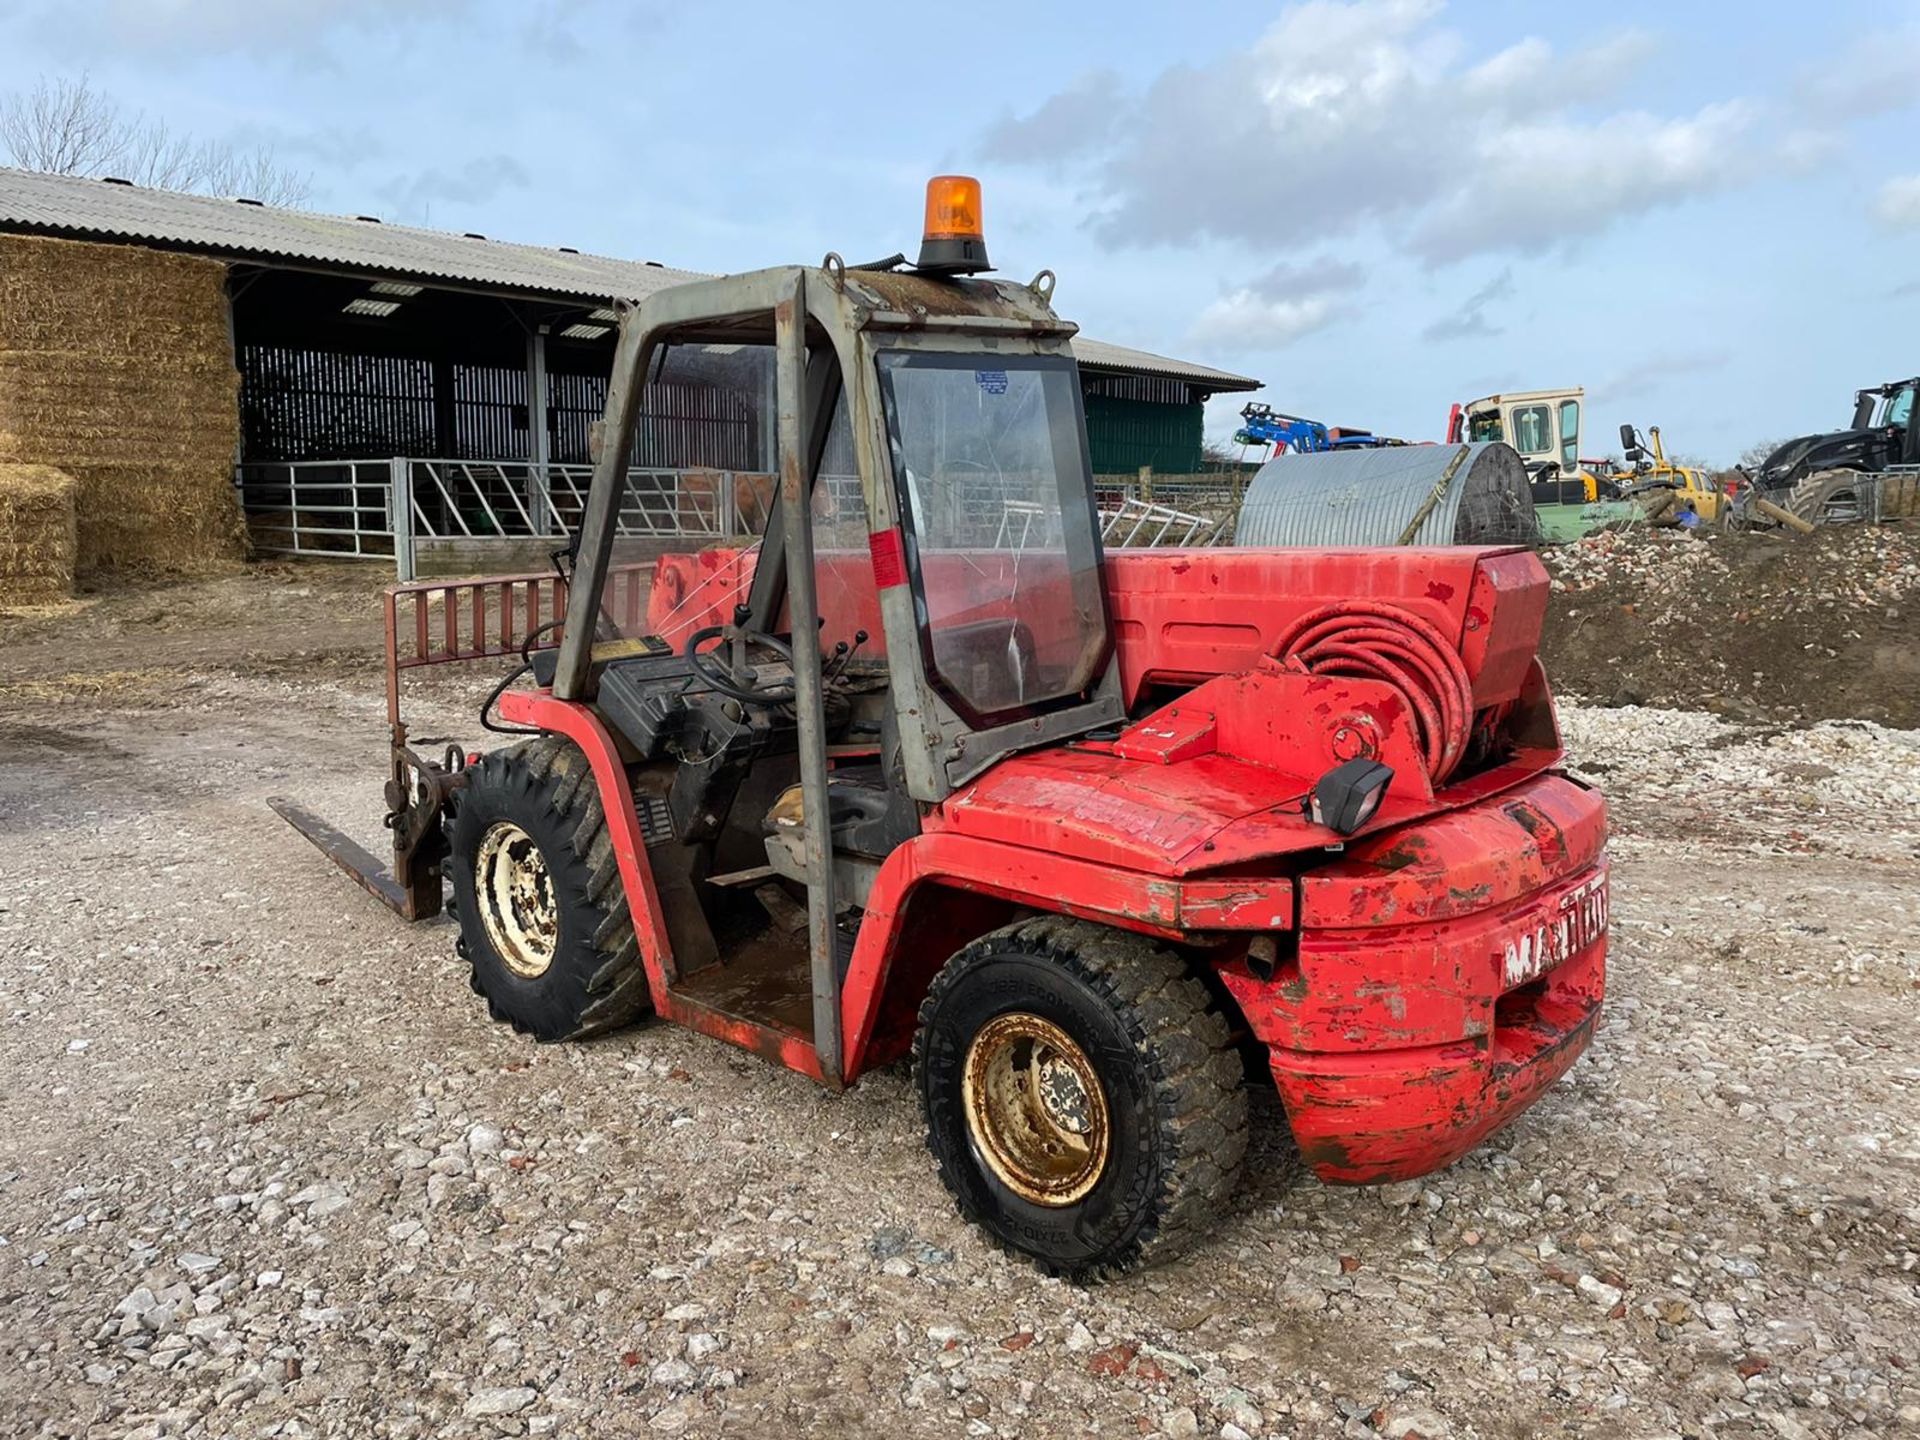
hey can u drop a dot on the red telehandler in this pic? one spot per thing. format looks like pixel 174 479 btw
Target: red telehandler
pixel 926 774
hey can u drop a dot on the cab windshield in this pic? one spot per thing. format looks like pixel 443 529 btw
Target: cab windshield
pixel 1002 539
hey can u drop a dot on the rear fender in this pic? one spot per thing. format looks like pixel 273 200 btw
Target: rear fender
pixel 910 929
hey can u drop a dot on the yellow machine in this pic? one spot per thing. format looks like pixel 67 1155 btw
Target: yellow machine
pixel 1650 472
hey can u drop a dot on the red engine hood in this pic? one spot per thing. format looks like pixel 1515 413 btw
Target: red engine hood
pixel 1089 803
pixel 1215 779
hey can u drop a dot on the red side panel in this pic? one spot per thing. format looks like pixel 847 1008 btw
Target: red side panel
pixel 1506 610
pixel 1182 615
pixel 1460 862
pixel 1128 899
pixel 1211 780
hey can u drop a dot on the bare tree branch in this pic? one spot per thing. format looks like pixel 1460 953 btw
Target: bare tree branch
pixel 66 127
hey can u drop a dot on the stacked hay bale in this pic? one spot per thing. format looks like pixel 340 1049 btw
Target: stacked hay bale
pixel 37 542
pixel 116 366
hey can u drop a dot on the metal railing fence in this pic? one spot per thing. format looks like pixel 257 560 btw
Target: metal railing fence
pixel 383 509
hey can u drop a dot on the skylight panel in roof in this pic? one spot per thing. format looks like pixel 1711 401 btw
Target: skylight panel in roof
pixel 374 309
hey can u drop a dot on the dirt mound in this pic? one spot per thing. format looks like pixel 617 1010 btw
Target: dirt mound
pixel 1763 627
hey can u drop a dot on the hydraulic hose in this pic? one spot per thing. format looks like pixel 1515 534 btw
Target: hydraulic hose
pixel 1372 640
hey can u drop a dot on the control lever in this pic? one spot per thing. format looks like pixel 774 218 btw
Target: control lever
pixel 843 653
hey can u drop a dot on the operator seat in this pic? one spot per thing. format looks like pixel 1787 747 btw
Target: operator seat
pixel 869 815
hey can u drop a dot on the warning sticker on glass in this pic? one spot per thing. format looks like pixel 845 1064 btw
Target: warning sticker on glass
pixel 994 382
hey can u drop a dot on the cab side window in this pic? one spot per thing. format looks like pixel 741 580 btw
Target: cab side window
pixel 1900 407
pixel 1569 434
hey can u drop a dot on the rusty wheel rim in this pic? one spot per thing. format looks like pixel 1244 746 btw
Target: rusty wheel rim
pixel 515 891
pixel 1035 1109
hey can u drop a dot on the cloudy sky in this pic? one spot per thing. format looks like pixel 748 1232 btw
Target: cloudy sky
pixel 1708 214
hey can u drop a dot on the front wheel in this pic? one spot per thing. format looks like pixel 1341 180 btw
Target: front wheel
pixel 544 919
pixel 1082 1095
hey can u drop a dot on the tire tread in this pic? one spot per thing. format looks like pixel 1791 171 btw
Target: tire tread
pixel 552 770
pixel 1186 1048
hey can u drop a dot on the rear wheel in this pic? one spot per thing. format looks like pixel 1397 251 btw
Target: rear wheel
pixel 1828 497
pixel 1082 1095
pixel 544 920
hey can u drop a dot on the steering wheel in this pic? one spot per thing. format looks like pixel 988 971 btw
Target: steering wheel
pixel 722 678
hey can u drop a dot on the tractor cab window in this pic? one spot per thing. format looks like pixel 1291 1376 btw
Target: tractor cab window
pixel 1899 408
pixel 1533 430
pixel 1484 426
pixel 1569 434
pixel 1002 546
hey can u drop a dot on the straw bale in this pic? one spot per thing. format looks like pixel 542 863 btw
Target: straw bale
pixel 37 534
pixel 70 409
pixel 158 518
pixel 75 295
pixel 116 366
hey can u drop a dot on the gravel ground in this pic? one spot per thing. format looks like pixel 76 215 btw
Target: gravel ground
pixel 268 1170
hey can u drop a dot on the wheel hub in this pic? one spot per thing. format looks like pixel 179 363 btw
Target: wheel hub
pixel 1035 1109
pixel 515 893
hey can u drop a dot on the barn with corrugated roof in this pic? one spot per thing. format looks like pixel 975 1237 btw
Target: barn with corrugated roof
pixel 365 388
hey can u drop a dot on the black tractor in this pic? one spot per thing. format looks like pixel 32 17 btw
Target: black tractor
pixel 1819 477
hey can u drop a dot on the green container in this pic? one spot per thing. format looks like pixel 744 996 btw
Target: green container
pixel 1562 523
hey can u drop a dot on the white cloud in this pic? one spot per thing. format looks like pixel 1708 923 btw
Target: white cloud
pixel 1877 73
pixel 1471 318
pixel 1898 203
pixel 1370 114
pixel 1070 123
pixel 1536 184
pixel 1244 319
pixel 1278 308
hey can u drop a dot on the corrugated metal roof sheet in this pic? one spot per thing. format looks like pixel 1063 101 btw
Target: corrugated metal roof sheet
pixel 1370 497
pixel 1100 354
pixel 66 205
pixel 237 229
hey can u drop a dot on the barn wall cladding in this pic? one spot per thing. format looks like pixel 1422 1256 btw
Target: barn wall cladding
pixel 116 366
